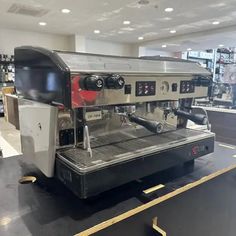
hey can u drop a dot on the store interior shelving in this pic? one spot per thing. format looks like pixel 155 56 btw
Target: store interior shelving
pixel 7 75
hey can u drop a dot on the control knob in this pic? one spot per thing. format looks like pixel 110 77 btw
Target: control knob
pixel 115 82
pixel 93 83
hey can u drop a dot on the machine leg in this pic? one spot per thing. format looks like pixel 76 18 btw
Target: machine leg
pixel 189 165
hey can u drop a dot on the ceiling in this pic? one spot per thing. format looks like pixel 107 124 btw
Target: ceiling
pixel 192 20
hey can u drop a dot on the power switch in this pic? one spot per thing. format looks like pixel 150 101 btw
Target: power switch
pixel 174 87
pixel 128 89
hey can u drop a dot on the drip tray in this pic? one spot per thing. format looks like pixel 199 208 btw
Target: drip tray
pixel 110 154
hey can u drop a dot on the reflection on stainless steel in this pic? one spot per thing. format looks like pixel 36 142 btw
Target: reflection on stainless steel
pixel 95 112
pixel 107 64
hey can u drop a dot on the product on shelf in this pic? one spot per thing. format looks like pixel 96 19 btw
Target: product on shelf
pixel 7 69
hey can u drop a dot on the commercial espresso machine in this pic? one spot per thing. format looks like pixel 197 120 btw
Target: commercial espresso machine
pixel 97 122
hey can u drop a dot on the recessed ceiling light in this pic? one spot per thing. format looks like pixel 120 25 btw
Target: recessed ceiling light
pixel 140 38
pixel 66 11
pixel 189 49
pixel 169 9
pixel 42 23
pixel 96 31
pixel 221 45
pixel 172 31
pixel 215 22
pixel 163 46
pixel 126 22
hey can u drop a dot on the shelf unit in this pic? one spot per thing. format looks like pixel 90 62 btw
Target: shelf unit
pixel 224 56
pixel 204 58
pixel 214 60
pixel 6 62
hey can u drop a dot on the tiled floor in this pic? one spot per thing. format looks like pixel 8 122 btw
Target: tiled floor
pixel 9 139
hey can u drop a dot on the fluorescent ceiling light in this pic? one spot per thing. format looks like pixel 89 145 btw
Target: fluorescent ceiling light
pixel 172 31
pixel 126 22
pixel 169 9
pixel 221 45
pixel 189 49
pixel 163 46
pixel 215 22
pixel 96 31
pixel 66 11
pixel 140 38
pixel 42 23
pixel 127 28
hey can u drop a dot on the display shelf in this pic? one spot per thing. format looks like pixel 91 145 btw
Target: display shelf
pixel 224 57
pixel 204 58
pixel 7 69
pixel 6 62
pixel 7 82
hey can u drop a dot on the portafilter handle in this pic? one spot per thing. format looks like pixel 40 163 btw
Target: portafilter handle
pixel 151 125
pixel 199 119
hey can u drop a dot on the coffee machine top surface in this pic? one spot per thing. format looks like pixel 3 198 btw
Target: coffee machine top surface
pixel 76 80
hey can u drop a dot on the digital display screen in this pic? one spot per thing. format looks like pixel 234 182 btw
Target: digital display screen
pixel 145 88
pixel 187 86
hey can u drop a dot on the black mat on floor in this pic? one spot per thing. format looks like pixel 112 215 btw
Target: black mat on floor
pixel 206 210
pixel 48 208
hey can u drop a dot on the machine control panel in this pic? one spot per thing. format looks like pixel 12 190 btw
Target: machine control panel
pixel 145 88
pixel 98 82
pixel 114 88
pixel 187 86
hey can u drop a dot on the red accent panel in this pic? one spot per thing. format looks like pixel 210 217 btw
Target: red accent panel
pixel 81 97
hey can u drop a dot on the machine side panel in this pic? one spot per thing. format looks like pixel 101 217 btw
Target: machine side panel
pixel 38 134
pixel 42 76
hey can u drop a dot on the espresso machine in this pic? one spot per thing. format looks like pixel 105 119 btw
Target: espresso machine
pixel 96 122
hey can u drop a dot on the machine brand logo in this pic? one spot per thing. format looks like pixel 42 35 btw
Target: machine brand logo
pixel 195 150
pixel 93 115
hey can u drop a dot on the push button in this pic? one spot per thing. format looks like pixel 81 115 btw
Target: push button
pixel 128 89
pixel 174 87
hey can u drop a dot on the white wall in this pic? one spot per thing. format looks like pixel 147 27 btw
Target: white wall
pixel 9 39
pixel 80 43
pixel 108 48
pixel 144 51
pixel 83 44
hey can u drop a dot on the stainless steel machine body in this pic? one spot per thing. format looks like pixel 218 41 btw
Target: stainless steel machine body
pixel 107 120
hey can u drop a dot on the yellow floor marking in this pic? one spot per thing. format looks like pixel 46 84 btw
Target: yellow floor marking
pixel 152 203
pixel 157 228
pixel 226 146
pixel 152 189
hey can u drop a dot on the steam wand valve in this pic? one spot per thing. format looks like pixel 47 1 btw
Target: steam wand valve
pixel 87 141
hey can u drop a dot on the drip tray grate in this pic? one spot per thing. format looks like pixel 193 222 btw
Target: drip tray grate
pixel 108 154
